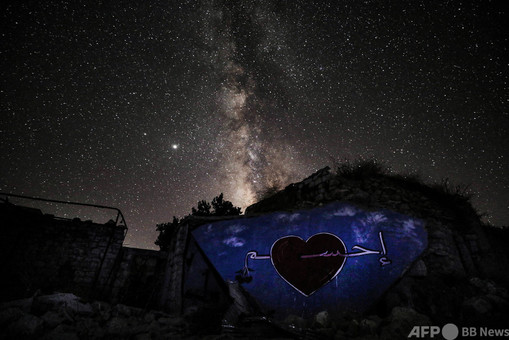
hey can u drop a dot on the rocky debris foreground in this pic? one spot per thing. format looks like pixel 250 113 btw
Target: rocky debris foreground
pixel 66 316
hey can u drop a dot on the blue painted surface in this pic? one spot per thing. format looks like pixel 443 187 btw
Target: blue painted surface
pixel 360 282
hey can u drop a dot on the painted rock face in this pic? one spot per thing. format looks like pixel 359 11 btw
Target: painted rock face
pixel 337 258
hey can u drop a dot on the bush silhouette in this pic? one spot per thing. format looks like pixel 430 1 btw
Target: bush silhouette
pixel 218 207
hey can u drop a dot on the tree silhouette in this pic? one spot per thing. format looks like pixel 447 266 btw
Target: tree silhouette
pixel 218 207
pixel 166 233
pixel 203 209
pixel 224 208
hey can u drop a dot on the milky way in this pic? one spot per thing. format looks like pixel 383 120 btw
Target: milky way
pixel 151 106
pixel 255 155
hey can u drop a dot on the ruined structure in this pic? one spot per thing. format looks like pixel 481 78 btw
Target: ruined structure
pixel 460 277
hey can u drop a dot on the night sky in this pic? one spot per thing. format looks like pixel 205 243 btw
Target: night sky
pixel 150 106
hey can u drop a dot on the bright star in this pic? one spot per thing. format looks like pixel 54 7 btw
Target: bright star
pixel 174 146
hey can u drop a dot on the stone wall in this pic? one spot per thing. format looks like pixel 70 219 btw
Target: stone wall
pixel 191 284
pixel 463 273
pixel 137 278
pixel 459 243
pixel 171 298
pixel 41 252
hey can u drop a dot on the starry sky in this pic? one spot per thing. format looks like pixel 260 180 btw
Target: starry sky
pixel 150 106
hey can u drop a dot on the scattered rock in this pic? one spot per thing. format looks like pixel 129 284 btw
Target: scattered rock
pixel 295 322
pixel 121 310
pixel 401 322
pixel 24 304
pixel 192 310
pixel 86 327
pixel 487 287
pixel 368 326
pixel 325 333
pixel 172 321
pixel 100 306
pixel 10 314
pixel 352 329
pixel 322 319
pixel 117 326
pixel 142 336
pixel 52 319
pixel 499 302
pixel 154 327
pixel 62 301
pixel 477 306
pixel 61 333
pixel 149 317
pixel 340 335
pixel 418 269
pixel 26 326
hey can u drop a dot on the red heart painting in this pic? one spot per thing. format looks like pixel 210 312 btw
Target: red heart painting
pixel 302 263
